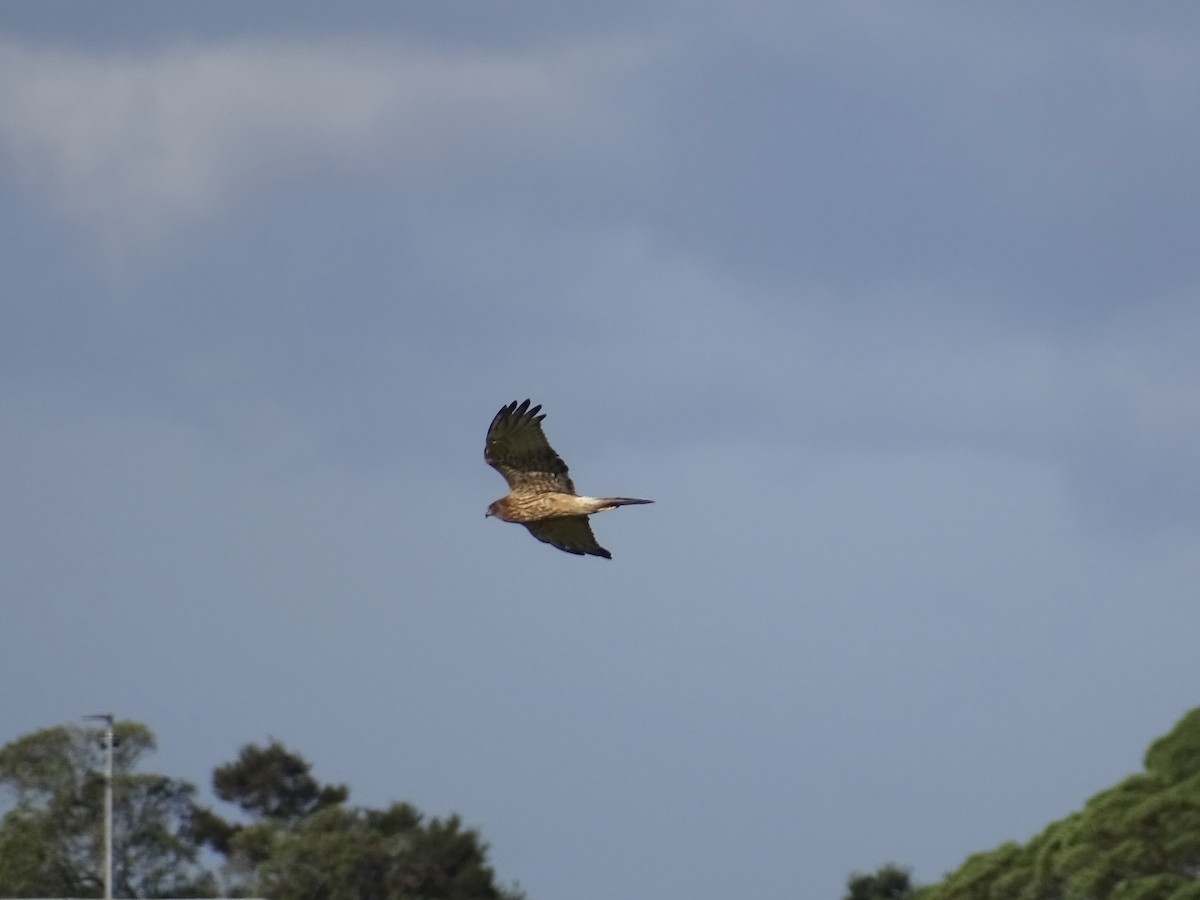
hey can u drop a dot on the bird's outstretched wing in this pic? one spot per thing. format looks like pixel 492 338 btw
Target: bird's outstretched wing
pixel 518 450
pixel 570 533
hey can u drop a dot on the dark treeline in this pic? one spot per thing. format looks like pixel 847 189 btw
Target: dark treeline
pixel 290 838
pixel 287 836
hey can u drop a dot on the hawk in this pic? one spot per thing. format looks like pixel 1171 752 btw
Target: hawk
pixel 540 493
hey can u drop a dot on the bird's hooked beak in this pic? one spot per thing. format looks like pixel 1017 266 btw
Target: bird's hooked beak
pixel 487 514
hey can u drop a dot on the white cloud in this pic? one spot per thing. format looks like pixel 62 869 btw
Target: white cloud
pixel 134 142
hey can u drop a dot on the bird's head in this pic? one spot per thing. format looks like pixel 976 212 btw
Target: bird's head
pixel 492 509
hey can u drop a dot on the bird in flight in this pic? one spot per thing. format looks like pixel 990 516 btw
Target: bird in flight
pixel 540 493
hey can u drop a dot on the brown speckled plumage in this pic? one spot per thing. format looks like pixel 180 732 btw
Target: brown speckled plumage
pixel 541 494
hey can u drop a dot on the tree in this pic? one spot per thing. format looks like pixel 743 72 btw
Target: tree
pixel 301 841
pixel 276 789
pixel 304 842
pixel 1138 840
pixel 51 835
pixel 356 854
pixel 889 882
pixel 272 783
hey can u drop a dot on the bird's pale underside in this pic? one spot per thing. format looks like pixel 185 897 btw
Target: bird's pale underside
pixel 540 493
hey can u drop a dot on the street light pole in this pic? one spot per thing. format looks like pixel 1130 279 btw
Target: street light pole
pixel 107 719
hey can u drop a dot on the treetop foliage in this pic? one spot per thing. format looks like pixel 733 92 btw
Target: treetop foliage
pixel 890 882
pixel 1138 840
pixel 51 835
pixel 271 783
pixel 302 841
pixel 1175 757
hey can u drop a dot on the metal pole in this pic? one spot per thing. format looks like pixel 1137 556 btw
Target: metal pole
pixel 107 718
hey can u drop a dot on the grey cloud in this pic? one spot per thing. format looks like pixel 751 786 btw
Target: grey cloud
pixel 133 141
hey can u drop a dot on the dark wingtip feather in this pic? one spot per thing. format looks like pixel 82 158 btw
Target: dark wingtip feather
pixel 517 410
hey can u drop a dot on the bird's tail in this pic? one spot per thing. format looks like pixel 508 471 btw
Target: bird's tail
pixel 613 502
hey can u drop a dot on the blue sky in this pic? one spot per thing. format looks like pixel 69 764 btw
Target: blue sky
pixel 892 308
